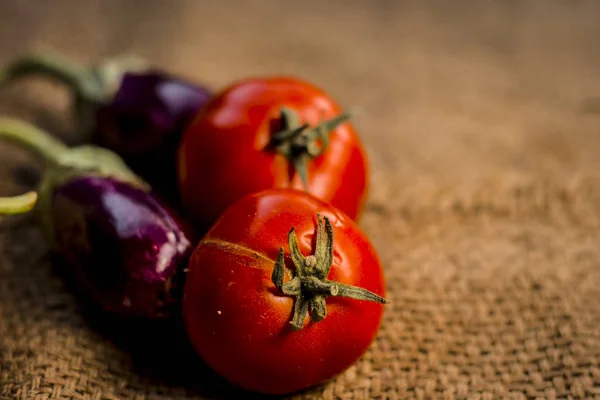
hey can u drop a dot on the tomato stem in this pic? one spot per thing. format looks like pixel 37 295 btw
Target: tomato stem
pixel 310 285
pixel 298 143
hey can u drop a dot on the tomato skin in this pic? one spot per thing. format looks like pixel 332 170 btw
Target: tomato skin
pixel 224 153
pixel 238 321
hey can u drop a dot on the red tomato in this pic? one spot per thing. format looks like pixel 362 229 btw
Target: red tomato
pixel 231 150
pixel 242 323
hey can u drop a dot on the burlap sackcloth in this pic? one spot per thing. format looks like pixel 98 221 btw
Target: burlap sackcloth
pixel 483 126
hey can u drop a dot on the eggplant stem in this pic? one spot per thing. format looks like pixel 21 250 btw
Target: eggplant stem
pixel 32 138
pixel 18 204
pixel 48 65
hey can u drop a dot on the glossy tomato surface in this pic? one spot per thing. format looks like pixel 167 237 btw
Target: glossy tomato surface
pixel 239 322
pixel 225 153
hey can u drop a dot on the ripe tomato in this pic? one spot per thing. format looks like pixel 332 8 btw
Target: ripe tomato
pixel 273 337
pixel 250 137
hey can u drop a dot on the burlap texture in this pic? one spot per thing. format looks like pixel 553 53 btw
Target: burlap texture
pixel 482 121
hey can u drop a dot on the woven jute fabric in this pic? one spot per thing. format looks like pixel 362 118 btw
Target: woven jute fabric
pixel 482 123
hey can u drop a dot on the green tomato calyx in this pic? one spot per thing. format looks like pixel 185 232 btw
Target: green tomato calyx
pixel 298 142
pixel 309 285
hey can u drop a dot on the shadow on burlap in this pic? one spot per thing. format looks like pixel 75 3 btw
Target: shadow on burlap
pixel 482 123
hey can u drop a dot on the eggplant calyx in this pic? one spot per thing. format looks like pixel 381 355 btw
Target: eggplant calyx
pixel 90 160
pixel 64 163
pixel 309 285
pixel 68 161
pixel 299 142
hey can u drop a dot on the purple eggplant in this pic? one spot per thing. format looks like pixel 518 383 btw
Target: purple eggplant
pixel 124 248
pixel 126 106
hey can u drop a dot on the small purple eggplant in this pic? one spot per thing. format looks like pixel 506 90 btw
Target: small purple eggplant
pixel 124 105
pixel 125 250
